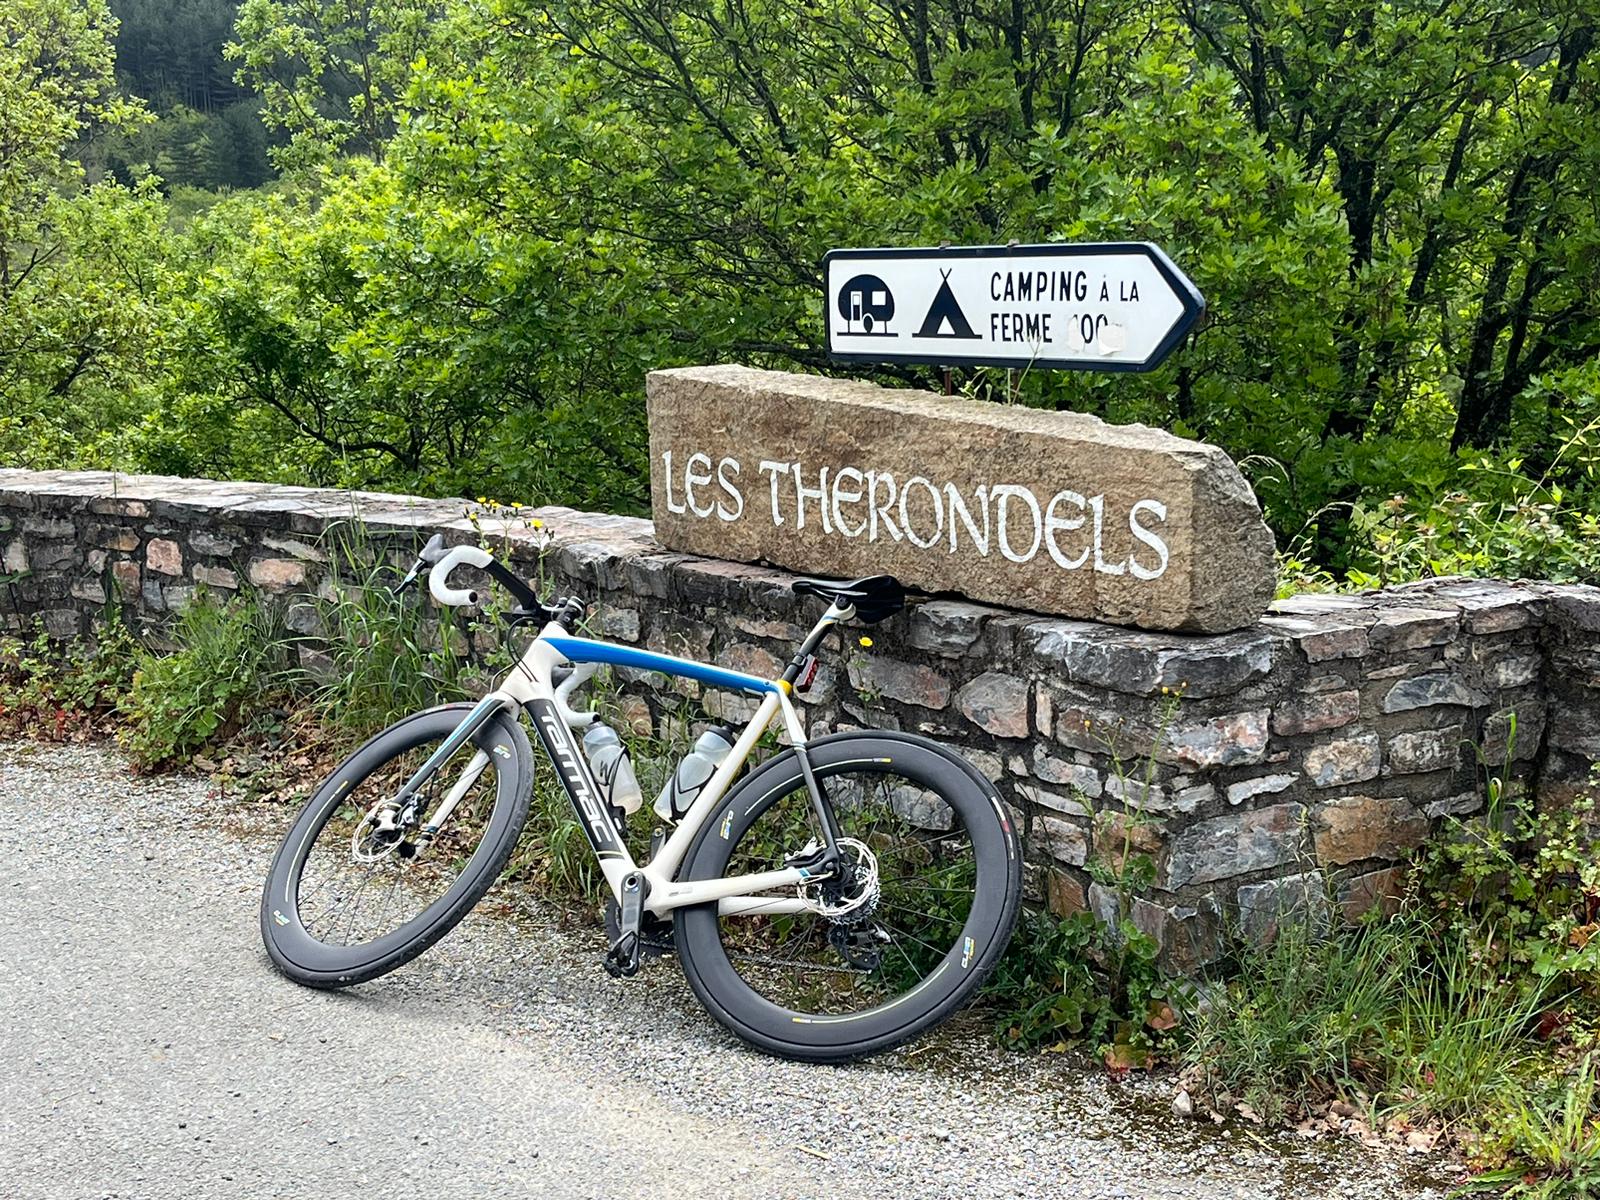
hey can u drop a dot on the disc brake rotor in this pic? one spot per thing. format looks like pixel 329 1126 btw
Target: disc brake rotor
pixel 374 838
pixel 859 900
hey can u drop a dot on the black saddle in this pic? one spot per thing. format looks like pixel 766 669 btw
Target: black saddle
pixel 875 598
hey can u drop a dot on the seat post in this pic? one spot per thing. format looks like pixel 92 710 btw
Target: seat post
pixel 835 614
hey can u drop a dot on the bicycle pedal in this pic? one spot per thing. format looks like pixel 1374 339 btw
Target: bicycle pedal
pixel 622 960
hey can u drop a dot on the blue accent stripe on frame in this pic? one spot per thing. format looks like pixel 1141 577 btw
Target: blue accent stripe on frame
pixel 582 650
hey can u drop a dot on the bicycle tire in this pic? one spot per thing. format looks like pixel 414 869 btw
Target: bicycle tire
pixel 314 963
pixel 739 1007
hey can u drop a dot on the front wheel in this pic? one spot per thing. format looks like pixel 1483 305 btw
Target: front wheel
pixel 352 896
pixel 937 884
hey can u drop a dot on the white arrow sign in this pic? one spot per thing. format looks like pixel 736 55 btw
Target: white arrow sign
pixel 1112 306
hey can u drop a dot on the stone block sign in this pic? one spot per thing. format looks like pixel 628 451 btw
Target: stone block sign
pixel 1055 512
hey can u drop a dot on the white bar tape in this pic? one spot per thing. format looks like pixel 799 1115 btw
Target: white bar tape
pixel 439 575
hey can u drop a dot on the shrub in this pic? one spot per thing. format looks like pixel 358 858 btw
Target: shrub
pixel 40 681
pixel 227 653
pixel 376 655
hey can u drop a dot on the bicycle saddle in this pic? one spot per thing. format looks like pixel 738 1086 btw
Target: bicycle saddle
pixel 875 598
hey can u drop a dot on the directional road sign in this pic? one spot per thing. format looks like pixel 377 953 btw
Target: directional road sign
pixel 1110 306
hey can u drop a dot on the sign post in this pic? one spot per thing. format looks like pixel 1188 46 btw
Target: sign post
pixel 1113 306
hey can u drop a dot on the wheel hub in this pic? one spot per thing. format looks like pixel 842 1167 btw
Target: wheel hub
pixel 853 898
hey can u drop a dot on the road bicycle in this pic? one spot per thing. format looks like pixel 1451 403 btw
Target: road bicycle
pixel 838 899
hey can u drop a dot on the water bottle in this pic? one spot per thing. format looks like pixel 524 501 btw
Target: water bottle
pixel 693 773
pixel 613 770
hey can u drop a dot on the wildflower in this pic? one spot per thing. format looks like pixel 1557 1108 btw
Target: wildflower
pixel 538 524
pixel 866 643
pixel 1165 690
pixel 481 500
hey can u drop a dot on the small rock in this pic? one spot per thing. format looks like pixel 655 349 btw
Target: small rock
pixel 1182 1105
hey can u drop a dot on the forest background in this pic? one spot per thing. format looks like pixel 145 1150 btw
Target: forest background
pixel 434 245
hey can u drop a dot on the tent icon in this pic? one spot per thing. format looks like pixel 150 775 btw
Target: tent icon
pixel 944 311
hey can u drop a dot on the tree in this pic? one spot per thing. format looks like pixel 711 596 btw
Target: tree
pixel 73 294
pixel 1457 134
pixel 329 72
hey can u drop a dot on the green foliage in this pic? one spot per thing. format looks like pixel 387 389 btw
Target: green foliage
pixel 1392 1012
pixel 208 131
pixel 78 327
pixel 351 343
pixel 378 656
pixel 1389 210
pixel 328 72
pixel 76 266
pixel 56 89
pixel 225 149
pixel 170 51
pixel 1072 979
pixel 43 683
pixel 1551 1138
pixel 227 653
pixel 1524 884
pixel 1304 1011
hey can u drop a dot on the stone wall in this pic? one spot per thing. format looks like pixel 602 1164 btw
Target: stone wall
pixel 1305 755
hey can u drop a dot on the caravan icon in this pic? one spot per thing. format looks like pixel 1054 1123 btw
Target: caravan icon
pixel 867 306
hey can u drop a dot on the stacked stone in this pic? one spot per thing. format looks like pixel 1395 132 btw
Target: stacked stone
pixel 1263 770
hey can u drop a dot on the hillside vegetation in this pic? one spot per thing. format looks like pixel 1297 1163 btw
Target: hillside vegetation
pixel 436 245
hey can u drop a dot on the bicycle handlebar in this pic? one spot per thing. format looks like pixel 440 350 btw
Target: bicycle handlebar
pixel 565 611
pixel 439 575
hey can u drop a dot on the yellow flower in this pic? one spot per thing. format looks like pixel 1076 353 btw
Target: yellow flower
pixel 481 500
pixel 866 643
pixel 1165 690
pixel 538 524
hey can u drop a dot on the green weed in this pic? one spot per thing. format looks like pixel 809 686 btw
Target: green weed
pixel 1302 1016
pixel 227 653
pixel 1544 1143
pixel 45 685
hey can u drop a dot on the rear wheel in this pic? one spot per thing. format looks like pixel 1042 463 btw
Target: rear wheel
pixel 350 895
pixel 937 879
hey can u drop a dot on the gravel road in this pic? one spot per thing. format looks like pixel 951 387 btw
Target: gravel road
pixel 150 1051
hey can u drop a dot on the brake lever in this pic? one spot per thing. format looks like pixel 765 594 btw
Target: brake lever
pixel 417 568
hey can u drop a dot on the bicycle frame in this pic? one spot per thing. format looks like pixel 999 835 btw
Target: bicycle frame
pixel 530 687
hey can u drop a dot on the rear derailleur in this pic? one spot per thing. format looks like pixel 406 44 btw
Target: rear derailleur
pixel 861 944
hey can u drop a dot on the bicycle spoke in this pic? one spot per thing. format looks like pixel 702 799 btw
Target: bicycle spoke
pixel 922 874
pixel 345 899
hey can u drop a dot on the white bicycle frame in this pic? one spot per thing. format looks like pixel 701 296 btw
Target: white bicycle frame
pixel 530 687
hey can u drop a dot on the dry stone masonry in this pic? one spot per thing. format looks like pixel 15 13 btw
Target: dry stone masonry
pixel 1056 512
pixel 1301 757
